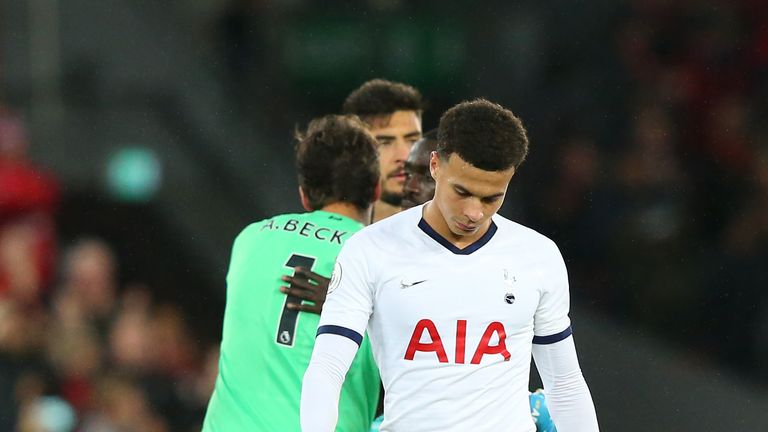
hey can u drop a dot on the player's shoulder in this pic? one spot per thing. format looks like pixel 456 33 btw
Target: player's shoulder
pixel 515 232
pixel 395 224
pixel 265 228
pixel 301 222
pixel 270 223
pixel 394 230
pixel 408 217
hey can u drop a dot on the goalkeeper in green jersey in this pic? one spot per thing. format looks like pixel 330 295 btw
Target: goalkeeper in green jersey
pixel 267 339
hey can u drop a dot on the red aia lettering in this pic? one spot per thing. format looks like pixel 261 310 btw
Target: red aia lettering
pixel 461 334
pixel 435 346
pixel 483 348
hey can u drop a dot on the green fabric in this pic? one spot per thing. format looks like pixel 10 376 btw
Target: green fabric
pixel 260 373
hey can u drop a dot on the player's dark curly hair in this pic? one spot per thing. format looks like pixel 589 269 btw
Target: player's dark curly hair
pixel 337 161
pixel 484 134
pixel 379 97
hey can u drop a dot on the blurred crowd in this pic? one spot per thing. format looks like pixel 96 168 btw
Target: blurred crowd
pixel 665 222
pixel 78 351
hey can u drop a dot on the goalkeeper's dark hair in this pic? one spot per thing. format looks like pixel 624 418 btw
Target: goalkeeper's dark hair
pixel 484 134
pixel 379 97
pixel 337 161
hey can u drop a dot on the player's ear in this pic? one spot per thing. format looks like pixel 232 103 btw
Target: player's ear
pixel 434 164
pixel 377 192
pixel 304 200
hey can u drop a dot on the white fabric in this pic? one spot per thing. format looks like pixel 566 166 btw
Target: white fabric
pixel 420 301
pixel 331 358
pixel 568 398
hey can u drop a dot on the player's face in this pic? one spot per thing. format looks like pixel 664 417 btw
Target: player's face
pixel 395 135
pixel 419 184
pixel 467 196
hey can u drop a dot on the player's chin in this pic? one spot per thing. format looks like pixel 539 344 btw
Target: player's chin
pixel 391 197
pixel 461 229
pixel 408 203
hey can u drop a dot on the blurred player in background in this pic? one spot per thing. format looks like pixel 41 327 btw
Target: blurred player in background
pixel 453 295
pixel 392 112
pixel 419 184
pixel 267 343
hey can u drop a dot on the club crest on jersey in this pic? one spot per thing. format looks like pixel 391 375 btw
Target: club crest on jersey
pixel 335 277
pixel 509 298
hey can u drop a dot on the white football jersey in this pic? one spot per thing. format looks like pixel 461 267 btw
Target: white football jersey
pixel 451 329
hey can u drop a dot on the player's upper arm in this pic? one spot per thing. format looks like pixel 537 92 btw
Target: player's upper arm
pixel 350 293
pixel 551 322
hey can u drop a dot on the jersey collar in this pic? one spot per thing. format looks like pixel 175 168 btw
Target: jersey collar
pixel 428 230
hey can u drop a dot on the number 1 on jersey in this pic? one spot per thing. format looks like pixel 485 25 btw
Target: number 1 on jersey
pixel 286 328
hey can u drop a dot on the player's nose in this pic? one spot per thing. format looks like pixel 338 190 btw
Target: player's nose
pixel 473 211
pixel 403 149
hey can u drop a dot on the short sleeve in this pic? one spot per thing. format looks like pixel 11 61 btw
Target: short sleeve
pixel 349 303
pixel 551 322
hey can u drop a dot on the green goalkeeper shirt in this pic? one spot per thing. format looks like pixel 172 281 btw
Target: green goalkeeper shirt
pixel 265 347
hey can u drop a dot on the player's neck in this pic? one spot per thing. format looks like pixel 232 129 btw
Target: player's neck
pixel 382 210
pixel 349 210
pixel 434 218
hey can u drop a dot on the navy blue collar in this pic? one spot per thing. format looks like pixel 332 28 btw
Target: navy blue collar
pixel 428 230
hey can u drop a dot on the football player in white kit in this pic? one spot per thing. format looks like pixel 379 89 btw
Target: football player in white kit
pixel 455 299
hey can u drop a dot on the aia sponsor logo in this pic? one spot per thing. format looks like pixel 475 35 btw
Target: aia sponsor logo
pixel 435 343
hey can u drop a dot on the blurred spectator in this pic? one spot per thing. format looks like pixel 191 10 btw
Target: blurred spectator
pixel 89 283
pixel 154 345
pixel 23 370
pixel 174 350
pixel 76 357
pixel 28 199
pixel 122 406
pixel 130 345
pixel 174 366
pixel 197 392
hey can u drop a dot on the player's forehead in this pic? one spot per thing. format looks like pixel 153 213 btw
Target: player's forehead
pixel 397 123
pixel 464 176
